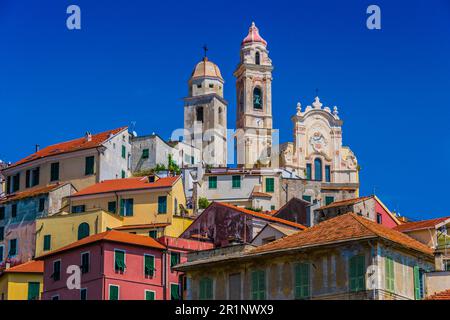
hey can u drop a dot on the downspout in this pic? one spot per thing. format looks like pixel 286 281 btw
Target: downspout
pixel 164 274
pixel 97 175
pixel 374 254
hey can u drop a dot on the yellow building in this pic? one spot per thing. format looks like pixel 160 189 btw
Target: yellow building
pixel 22 282
pixel 143 205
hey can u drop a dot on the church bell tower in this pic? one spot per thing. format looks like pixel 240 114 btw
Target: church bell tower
pixel 254 102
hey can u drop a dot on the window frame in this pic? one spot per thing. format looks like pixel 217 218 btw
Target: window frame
pixel 258 293
pixel 54 173
pixel 89 165
pixel 149 291
pixel 204 291
pixel 85 290
pixel 109 291
pixel 212 182
pixel 145 153
pixel 124 261
pixel 124 204
pixel 172 284
pixel 49 243
pixel 38 289
pixel 88 253
pixel 356 274
pixel 298 283
pixel 160 208
pixel 149 276
pixel 389 273
pixel 16 247
pixel 175 253
pixel 236 182
pixel 272 184
pixel 59 271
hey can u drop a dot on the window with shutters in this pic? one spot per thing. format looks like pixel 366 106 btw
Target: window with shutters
pixel 150 295
pixel 56 275
pixel 418 283
pixel 234 286
pixel 47 242
pixel 174 258
pixel 236 182
pixel 149 265
pixel 318 169
pixel 145 154
pixel 35 175
pixel 113 292
pixel 123 174
pixel 89 165
pixel 27 178
pixel 54 171
pixel 83 230
pixel 302 281
pixel 328 200
pixel 119 261
pixel 389 274
pixel 16 183
pixel 258 286
pixel 162 204
pixel 327 173
pixel 308 171
pixel 306 198
pixel 33 290
pixel 174 291
pixel 126 207
pixel 12 252
pixel 206 288
pixel 212 182
pixel 124 152
pixel 270 184
pixel 85 261
pixel 112 206
pixel 357 273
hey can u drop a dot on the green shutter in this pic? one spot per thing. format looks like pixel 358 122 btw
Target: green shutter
pixel 357 273
pixel 174 295
pixel 236 182
pixel 162 204
pixel 113 292
pixel 124 152
pixel 112 206
pixel 149 265
pixel 145 154
pixel 258 289
pixel 174 259
pixel 149 295
pixel 122 207
pixel 33 290
pixel 212 181
pixel 302 287
pixel 153 234
pixel 329 200
pixel 206 289
pixel 270 184
pixel 306 198
pixel 54 171
pixel 119 261
pixel 47 242
pixel 417 294
pixel 389 274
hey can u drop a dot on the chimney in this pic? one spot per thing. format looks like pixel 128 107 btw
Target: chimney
pixel 88 136
pixel 37 148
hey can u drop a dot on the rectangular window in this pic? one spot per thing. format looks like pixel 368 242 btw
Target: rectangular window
pixel 14 210
pixel 149 265
pixel 55 297
pixel 54 171
pixel 2 233
pixel 126 207
pixel 174 291
pixel 149 295
pixel 162 204
pixel 306 198
pixel 2 213
pixel 47 242
pixel 357 273
pixel 8 184
pixel 212 182
pixel 124 152
pixel 236 182
pixel 379 218
pixel 328 200
pixel 145 154
pixel 206 288
pixel 83 294
pixel 85 261
pixel 234 286
pixel 302 287
pixel 79 209
pixel 258 285
pixel 41 204
pixel 89 165
pixel 16 183
pixel 270 184
pixel 12 252
pixel 56 270
pixel 119 261
pixel 35 177
pixel 174 258
pixel 123 174
pixel 327 174
pixel 27 178
pixel 112 206
pixel 2 253
pixel 308 171
pixel 153 234
pixel 418 283
pixel 389 274
pixel 33 290
pixel 113 292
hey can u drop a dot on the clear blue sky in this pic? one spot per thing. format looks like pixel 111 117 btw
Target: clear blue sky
pixel 132 59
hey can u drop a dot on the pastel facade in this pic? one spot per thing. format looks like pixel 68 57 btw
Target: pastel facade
pixel 348 257
pixel 22 282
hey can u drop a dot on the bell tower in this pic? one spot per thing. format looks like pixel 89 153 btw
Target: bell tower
pixel 254 102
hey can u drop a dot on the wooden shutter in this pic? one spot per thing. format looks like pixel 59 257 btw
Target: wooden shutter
pixel 119 261
pixel 149 263
pixel 417 294
pixel 302 289
pixel 149 295
pixel 113 292
pixel 122 207
pixel 33 290
pixel 47 242
pixel 162 204
pixel 270 185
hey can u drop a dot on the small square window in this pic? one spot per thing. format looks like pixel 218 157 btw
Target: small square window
pixel 145 154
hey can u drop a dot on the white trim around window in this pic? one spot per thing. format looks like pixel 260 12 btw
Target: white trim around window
pixel 124 259
pixel 143 262
pixel 109 291
pixel 145 294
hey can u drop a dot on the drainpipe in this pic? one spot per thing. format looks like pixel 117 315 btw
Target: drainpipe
pixel 164 274
pixel 374 251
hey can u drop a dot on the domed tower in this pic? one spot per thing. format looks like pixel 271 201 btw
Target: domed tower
pixel 254 101
pixel 205 113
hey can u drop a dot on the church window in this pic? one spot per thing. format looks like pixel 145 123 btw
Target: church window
pixel 327 174
pixel 257 58
pixel 318 169
pixel 308 171
pixel 199 114
pixel 257 98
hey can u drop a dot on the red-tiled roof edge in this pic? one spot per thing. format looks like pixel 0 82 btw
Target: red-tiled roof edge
pixel 420 225
pixel 31 266
pixel 442 295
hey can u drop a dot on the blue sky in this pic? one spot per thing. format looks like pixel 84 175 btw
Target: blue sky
pixel 131 60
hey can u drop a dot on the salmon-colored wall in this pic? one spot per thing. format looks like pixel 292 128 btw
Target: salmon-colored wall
pixel 387 220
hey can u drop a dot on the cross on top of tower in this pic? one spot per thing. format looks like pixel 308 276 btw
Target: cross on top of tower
pixel 205 49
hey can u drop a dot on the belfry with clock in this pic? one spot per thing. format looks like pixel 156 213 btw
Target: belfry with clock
pixel 254 102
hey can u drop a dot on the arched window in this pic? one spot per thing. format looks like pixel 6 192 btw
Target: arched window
pixel 83 230
pixel 257 99
pixel 318 169
pixel 257 58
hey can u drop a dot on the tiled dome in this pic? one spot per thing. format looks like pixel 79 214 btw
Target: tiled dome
pixel 253 36
pixel 206 68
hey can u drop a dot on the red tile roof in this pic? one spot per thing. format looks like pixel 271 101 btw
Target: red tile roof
pixel 32 192
pixel 420 225
pixel 261 194
pixel 345 227
pixel 262 215
pixel 136 183
pixel 443 295
pixel 111 236
pixel 143 226
pixel 70 146
pixel 27 267
pixel 346 202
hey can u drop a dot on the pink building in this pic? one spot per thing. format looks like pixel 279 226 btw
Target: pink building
pixel 116 266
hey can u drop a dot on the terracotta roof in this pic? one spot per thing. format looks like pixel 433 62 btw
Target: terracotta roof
pixel 32 192
pixel 345 227
pixel 253 36
pixel 419 225
pixel 261 194
pixel 70 146
pixel 346 202
pixel 443 295
pixel 206 68
pixel 143 226
pixel 136 183
pixel 111 236
pixel 27 267
pixel 262 215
